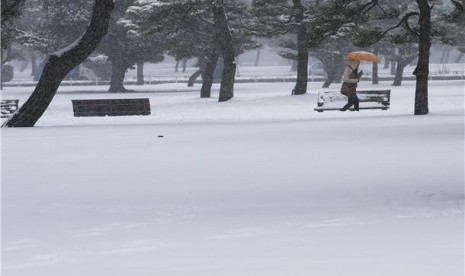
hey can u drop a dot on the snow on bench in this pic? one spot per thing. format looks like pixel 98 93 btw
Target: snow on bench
pixel 8 107
pixel 369 99
pixel 111 107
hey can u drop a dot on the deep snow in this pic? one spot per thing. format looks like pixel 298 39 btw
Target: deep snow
pixel 260 185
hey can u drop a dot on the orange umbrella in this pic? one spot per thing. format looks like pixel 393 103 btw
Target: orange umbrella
pixel 362 56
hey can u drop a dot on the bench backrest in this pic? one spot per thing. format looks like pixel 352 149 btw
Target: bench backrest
pixel 369 95
pixel 111 107
pixel 8 107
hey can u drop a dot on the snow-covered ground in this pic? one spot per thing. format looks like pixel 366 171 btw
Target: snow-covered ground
pixel 259 185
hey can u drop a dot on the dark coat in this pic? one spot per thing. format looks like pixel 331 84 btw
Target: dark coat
pixel 348 89
pixel 350 79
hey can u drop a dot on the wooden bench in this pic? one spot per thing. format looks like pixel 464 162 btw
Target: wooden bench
pixel 111 107
pixel 8 107
pixel 334 100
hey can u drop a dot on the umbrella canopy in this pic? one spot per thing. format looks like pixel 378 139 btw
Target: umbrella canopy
pixel 362 56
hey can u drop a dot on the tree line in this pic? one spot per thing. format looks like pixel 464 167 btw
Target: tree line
pixel 215 32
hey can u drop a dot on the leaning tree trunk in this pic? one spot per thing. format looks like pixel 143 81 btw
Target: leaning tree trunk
pixel 60 64
pixel 224 39
pixel 207 75
pixel 401 64
pixel 422 70
pixel 331 72
pixel 195 75
pixel 329 79
pixel 302 51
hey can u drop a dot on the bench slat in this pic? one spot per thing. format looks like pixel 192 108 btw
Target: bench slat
pixel 111 107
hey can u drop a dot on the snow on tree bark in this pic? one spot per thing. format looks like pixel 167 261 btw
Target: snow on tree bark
pixel 61 63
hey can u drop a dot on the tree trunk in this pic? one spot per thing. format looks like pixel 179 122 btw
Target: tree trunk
pixel 399 73
pixel 257 57
pixel 224 39
pixel 334 67
pixel 422 70
pixel 6 54
pixel 118 71
pixel 329 79
pixel 294 65
pixel 445 54
pixel 33 62
pixel 441 59
pixel 374 75
pixel 302 51
pixel 331 72
pixel 184 65
pixel 402 62
pixel 140 73
pixel 387 62
pixel 194 77
pixel 393 67
pixel 207 75
pixel 459 57
pixel 60 64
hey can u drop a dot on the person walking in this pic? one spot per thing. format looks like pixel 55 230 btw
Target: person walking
pixel 350 78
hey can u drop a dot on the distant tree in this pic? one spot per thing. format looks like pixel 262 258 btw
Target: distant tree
pixel 47 26
pixel 399 45
pixel 460 55
pixel 10 12
pixel 405 55
pixel 199 29
pixel 331 53
pixel 451 30
pixel 61 63
pixel 279 17
pixel 117 45
pixel 188 27
pixel 315 23
pixel 423 30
